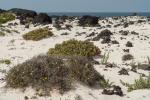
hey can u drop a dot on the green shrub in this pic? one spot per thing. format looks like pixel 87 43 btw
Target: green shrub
pixel 47 73
pixel 5 17
pixel 141 83
pixel 38 34
pixel 75 48
pixel 5 61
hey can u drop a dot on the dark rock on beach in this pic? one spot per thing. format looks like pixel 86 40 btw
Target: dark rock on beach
pixel 88 21
pixel 105 34
pixel 115 90
pixel 1 10
pixel 123 71
pixel 23 13
pixel 42 18
pixel 129 44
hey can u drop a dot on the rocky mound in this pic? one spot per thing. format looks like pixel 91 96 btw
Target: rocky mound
pixel 88 21
pixel 23 13
pixel 42 18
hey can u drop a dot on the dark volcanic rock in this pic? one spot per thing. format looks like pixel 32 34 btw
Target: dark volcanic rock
pixel 124 32
pixel 25 16
pixel 127 57
pixel 106 40
pixel 42 18
pixel 105 34
pixel 123 71
pixel 1 10
pixel 125 25
pixel 134 33
pixel 91 34
pixel 126 50
pixel 109 65
pixel 88 21
pixel 115 90
pixel 115 42
pixel 23 13
pixel 129 44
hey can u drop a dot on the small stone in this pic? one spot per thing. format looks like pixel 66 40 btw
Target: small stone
pixel 129 44
pixel 123 71
pixel 26 97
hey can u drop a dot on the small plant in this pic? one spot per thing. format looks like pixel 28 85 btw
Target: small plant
pixel 106 83
pixel 141 83
pixel 5 61
pixel 75 48
pixel 5 17
pixel 105 59
pixel 38 34
pixel 148 60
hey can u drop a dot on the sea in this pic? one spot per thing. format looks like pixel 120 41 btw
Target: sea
pixel 98 14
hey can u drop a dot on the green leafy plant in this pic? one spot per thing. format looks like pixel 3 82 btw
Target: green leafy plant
pixel 141 83
pixel 5 17
pixel 38 34
pixel 75 48
pixel 105 58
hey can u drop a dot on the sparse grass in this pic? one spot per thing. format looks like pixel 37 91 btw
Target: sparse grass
pixel 38 34
pixel 5 61
pixel 75 48
pixel 141 83
pixel 105 59
pixel 5 17
pixel 47 73
pixel 106 83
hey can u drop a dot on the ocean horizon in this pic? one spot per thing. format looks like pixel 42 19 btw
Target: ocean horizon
pixel 99 14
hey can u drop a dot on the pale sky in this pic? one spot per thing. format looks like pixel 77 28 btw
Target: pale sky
pixel 79 5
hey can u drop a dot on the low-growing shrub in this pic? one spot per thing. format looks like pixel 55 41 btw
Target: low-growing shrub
pixel 47 73
pixel 141 83
pixel 2 33
pixel 75 48
pixel 38 34
pixel 5 17
pixel 83 71
pixel 5 61
pixel 40 72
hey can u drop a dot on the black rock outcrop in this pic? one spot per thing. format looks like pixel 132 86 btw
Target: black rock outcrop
pixel 42 18
pixel 88 21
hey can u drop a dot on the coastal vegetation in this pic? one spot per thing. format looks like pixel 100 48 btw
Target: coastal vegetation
pixel 49 72
pixel 38 34
pixel 75 48
pixel 141 83
pixel 5 17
